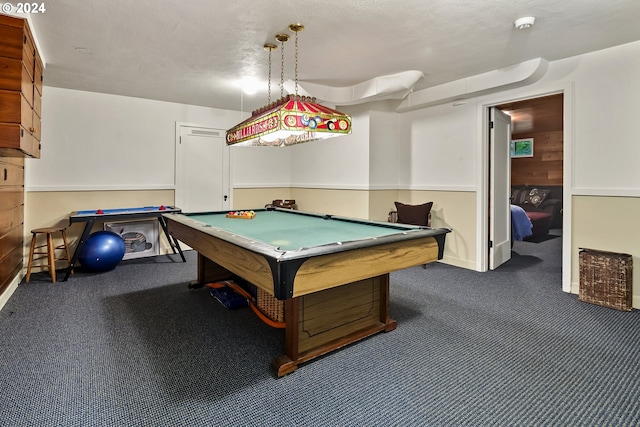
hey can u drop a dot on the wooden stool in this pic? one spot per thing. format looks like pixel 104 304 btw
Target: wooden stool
pixel 49 252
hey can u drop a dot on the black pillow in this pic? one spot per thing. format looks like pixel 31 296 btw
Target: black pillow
pixel 519 197
pixel 536 196
pixel 413 214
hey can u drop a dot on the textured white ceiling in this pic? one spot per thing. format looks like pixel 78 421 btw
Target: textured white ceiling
pixel 195 51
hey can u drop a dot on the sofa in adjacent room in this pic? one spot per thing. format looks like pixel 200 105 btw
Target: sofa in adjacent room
pixel 542 203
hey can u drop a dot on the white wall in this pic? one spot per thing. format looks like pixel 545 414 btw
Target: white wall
pixel 134 139
pixel 93 141
pixel 341 162
pixel 443 148
pixel 260 167
pixel 387 147
pixel 605 105
pixel 607 126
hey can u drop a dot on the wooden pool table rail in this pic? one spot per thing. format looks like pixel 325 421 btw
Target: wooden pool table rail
pixel 296 273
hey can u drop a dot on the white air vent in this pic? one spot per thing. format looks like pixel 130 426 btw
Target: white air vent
pixel 200 132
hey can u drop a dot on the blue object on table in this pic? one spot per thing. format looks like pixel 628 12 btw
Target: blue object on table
pixel 228 297
pixel 102 251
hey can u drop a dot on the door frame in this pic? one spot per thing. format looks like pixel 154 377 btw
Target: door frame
pixel 226 160
pixel 482 195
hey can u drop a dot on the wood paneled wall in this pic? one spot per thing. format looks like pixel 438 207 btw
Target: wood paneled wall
pixel 540 119
pixel 11 218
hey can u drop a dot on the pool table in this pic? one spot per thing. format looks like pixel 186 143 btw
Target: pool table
pixel 330 273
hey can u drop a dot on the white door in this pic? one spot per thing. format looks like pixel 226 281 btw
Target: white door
pixel 499 188
pixel 202 170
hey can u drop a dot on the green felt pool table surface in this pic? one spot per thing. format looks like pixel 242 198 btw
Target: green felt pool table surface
pixel 288 231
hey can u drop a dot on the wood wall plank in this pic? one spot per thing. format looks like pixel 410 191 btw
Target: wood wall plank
pixel 540 119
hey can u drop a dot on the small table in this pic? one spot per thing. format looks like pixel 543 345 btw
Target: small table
pixel 331 273
pixel 89 217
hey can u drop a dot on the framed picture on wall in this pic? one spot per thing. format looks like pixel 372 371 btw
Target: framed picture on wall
pixel 522 148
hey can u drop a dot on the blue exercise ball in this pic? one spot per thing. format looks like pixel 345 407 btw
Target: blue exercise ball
pixel 102 251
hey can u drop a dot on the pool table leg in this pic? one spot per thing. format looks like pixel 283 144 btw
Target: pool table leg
pixel 173 242
pixel 385 317
pixel 288 362
pixel 380 322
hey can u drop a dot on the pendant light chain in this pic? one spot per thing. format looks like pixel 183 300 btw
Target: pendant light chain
pixel 282 71
pixel 270 47
pixel 296 28
pixel 269 85
pixel 282 38
pixel 296 68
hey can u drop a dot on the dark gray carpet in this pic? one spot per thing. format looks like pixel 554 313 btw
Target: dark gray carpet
pixel 134 347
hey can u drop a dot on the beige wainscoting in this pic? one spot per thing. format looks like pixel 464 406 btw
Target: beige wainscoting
pixel 381 203
pixel 255 198
pixel 52 208
pixel 607 224
pixel 349 203
pixel 455 210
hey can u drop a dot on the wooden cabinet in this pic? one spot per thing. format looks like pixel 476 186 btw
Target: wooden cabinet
pixel 20 118
pixel 20 90
pixel 11 218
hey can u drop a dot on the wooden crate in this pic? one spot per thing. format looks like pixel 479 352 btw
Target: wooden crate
pixel 606 278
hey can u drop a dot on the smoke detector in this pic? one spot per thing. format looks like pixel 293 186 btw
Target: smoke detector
pixel 524 23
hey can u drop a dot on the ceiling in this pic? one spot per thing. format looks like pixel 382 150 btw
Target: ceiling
pixel 196 51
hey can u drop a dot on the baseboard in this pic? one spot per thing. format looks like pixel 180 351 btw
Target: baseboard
pixel 4 298
pixel 635 300
pixel 458 262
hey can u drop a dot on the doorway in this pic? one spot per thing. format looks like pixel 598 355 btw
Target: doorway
pixel 537 163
